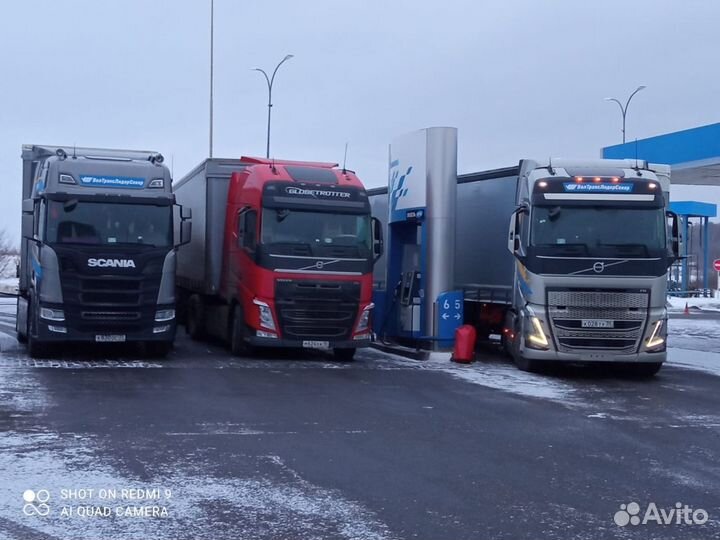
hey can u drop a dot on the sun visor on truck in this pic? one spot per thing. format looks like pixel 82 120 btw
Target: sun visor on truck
pixel 597 190
pixel 317 198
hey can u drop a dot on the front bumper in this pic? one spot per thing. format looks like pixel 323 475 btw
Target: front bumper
pixel 298 344
pixel 594 356
pixel 45 334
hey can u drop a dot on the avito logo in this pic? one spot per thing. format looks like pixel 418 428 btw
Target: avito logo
pixel 681 514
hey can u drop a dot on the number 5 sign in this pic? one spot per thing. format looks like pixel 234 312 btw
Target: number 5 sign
pixel 449 314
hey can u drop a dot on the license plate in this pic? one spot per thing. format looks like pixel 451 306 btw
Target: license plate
pixel 109 338
pixel 597 323
pixel 316 344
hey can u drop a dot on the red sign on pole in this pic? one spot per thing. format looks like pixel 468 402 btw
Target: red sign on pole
pixel 716 264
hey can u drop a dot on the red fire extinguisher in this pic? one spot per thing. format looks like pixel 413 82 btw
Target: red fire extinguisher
pixel 464 350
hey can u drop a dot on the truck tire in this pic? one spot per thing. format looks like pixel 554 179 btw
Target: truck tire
pixel 195 325
pixel 21 334
pixel 344 354
pixel 158 349
pixel 522 363
pixel 525 364
pixel 646 369
pixel 36 349
pixel 236 338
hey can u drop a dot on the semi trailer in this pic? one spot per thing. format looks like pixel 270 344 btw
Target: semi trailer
pixel 561 260
pixel 282 255
pixel 99 234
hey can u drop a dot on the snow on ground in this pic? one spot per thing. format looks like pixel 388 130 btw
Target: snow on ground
pixel 675 304
pixel 501 375
pixel 695 334
pixel 694 344
pixel 275 502
pixel 694 359
pixel 8 339
pixel 8 284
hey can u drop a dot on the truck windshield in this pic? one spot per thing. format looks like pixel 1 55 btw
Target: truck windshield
pixel 317 230
pixel 599 231
pixel 83 222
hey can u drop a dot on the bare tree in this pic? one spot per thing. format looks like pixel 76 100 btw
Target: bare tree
pixel 9 254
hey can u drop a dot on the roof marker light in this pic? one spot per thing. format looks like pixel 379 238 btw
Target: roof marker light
pixel 578 178
pixel 596 179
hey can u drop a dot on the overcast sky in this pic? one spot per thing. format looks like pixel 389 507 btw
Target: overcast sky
pixel 518 78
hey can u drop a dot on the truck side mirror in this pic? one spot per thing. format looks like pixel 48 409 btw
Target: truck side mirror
pixel 377 238
pixel 675 234
pixel 27 225
pixel 514 230
pixel 185 229
pixel 185 232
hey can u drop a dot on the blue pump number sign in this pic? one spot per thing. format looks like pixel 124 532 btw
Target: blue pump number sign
pixel 449 314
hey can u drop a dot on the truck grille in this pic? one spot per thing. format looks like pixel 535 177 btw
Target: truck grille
pixel 317 310
pixel 628 311
pixel 117 304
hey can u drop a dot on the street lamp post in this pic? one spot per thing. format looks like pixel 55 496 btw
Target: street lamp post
pixel 624 109
pixel 212 67
pixel 270 81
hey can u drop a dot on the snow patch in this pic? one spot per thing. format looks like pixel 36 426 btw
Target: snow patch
pixel 676 303
pixel 274 503
pixel 692 359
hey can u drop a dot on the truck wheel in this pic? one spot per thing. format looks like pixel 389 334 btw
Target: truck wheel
pixel 21 334
pixel 525 364
pixel 344 355
pixel 646 369
pixel 36 348
pixel 158 349
pixel 196 318
pixel 522 363
pixel 238 345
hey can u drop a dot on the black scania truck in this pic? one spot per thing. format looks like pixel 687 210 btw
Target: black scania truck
pixel 100 230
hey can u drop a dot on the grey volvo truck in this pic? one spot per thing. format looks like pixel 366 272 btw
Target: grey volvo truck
pixel 580 276
pixel 100 230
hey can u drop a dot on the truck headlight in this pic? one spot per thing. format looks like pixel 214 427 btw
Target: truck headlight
pixel 266 316
pixel 162 315
pixel 658 336
pixel 57 315
pixel 364 321
pixel 535 337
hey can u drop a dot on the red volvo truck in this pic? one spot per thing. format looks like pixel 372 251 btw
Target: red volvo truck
pixel 281 256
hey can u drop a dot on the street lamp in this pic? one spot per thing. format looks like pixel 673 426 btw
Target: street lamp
pixel 270 81
pixel 212 67
pixel 624 109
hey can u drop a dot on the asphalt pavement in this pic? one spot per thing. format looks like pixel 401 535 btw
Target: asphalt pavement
pixel 297 446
